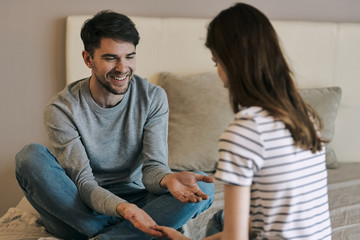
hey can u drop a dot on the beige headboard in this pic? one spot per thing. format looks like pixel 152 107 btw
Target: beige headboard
pixel 321 54
pixel 166 44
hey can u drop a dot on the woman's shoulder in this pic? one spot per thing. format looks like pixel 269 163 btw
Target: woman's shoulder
pixel 255 114
pixel 256 120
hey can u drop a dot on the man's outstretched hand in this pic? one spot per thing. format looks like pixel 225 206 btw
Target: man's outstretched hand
pixel 139 218
pixel 184 187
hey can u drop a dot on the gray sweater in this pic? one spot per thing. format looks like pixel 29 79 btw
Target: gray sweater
pixel 98 147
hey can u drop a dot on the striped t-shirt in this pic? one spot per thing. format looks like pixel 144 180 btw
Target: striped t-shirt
pixel 288 185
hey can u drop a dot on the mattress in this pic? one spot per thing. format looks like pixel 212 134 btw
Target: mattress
pixel 344 203
pixel 22 222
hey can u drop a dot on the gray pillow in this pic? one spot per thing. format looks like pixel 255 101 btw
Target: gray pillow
pixel 325 102
pixel 200 111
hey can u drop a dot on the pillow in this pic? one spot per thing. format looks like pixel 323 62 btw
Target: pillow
pixel 200 111
pixel 325 102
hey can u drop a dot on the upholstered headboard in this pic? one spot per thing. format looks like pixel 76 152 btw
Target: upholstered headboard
pixel 321 54
pixel 166 44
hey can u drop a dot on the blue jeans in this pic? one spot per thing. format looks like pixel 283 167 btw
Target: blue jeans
pixel 215 224
pixel 54 195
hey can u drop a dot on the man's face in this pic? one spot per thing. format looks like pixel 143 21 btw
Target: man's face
pixel 113 65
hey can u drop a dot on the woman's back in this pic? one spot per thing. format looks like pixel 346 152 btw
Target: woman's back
pixel 288 184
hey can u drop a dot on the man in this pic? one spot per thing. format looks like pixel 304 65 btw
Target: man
pixel 108 176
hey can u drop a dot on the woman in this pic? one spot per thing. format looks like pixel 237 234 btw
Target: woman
pixel 271 157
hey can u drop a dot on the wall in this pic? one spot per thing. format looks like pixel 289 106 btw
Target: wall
pixel 32 59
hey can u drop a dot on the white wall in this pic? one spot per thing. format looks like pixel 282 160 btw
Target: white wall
pixel 32 58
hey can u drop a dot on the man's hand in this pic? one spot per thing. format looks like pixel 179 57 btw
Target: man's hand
pixel 139 218
pixel 184 187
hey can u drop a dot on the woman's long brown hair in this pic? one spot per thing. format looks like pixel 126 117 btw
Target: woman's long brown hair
pixel 243 40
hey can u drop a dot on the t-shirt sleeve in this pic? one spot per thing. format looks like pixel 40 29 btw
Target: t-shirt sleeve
pixel 240 153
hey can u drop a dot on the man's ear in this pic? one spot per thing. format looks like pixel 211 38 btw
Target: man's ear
pixel 88 60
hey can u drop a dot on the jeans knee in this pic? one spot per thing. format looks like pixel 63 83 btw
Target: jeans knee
pixel 33 164
pixel 207 188
pixel 25 157
pixel 33 160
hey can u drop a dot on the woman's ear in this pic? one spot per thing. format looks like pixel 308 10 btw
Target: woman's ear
pixel 88 60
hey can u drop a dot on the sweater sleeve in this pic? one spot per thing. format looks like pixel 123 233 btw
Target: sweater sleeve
pixel 155 149
pixel 66 143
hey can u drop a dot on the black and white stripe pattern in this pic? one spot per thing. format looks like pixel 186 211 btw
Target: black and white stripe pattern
pixel 288 185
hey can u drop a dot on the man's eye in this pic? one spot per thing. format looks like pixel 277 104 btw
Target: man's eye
pixel 109 58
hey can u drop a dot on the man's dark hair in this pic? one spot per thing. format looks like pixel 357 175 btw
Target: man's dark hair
pixel 108 24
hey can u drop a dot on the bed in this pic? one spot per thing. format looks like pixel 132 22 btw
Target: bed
pixel 325 58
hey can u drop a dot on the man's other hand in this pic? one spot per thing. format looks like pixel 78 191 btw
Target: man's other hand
pixel 184 187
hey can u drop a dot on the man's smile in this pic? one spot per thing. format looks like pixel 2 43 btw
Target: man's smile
pixel 121 79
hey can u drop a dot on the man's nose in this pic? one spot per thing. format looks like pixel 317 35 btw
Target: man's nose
pixel 120 67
